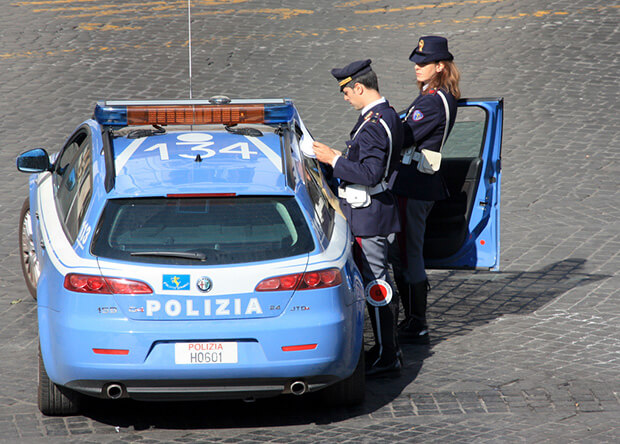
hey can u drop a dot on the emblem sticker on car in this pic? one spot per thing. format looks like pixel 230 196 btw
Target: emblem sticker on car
pixel 204 284
pixel 175 282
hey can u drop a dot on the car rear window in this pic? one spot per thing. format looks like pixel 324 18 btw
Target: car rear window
pixel 205 230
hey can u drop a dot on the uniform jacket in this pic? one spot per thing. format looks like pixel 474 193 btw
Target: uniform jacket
pixel 364 163
pixel 424 128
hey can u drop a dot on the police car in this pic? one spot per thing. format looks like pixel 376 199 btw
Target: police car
pixel 189 250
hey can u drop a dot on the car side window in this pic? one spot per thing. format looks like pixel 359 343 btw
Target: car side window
pixel 73 182
pixel 466 139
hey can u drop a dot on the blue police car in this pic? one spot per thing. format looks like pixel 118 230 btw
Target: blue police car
pixel 189 250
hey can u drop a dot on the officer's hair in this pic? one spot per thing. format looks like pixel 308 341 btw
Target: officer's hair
pixel 369 80
pixel 448 79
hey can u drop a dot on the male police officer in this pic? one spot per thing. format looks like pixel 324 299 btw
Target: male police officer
pixel 366 172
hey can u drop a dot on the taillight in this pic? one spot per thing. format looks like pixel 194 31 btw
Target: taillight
pixel 84 283
pixel 310 280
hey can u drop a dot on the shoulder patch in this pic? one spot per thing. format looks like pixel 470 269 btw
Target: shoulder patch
pixel 417 115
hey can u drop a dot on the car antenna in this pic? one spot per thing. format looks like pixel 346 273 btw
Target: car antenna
pixel 189 32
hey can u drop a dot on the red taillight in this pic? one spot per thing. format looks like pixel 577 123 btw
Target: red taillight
pixel 302 281
pixel 84 283
pixel 110 351
pixel 290 348
pixel 312 279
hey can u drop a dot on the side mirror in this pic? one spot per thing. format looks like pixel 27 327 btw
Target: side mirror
pixel 34 161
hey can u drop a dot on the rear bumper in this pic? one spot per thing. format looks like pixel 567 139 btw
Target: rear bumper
pixel 153 390
pixel 149 371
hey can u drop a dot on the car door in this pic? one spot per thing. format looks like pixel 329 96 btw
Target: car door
pixel 463 230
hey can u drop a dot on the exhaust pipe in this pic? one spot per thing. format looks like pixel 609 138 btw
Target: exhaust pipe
pixel 298 388
pixel 114 391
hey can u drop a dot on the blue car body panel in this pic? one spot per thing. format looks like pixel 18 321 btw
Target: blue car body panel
pixel 227 163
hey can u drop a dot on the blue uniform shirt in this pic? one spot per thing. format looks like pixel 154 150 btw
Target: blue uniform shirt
pixel 424 128
pixel 364 163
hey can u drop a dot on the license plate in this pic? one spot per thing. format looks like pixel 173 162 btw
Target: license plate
pixel 205 353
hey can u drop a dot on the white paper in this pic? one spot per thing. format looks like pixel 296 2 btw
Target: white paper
pixel 305 144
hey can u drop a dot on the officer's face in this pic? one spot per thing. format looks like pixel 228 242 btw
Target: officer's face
pixel 424 72
pixel 351 95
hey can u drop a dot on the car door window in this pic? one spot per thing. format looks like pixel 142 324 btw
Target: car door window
pixel 73 182
pixel 467 136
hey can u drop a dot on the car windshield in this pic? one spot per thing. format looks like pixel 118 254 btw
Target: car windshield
pixel 202 230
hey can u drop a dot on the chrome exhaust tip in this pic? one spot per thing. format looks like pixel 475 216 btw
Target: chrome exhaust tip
pixel 299 388
pixel 114 391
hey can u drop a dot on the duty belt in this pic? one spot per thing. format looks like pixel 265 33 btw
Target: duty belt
pixel 377 189
pixel 411 154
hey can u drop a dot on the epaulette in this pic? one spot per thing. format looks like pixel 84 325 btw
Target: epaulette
pixel 375 117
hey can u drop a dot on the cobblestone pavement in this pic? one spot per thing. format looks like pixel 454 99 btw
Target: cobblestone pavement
pixel 529 354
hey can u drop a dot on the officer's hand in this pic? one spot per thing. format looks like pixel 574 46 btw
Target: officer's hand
pixel 323 153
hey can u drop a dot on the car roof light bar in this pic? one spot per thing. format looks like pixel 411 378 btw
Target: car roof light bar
pixel 193 112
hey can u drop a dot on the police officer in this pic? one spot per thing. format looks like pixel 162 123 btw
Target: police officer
pixel 366 171
pixel 424 129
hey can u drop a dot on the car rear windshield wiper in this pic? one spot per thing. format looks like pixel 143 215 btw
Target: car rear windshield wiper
pixel 182 254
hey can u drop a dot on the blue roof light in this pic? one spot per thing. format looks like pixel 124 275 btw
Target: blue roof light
pixel 111 115
pixel 279 113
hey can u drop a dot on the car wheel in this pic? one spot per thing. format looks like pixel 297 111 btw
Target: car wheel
pixel 53 399
pixel 27 253
pixel 350 391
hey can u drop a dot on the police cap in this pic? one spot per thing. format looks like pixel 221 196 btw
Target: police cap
pixel 351 71
pixel 431 48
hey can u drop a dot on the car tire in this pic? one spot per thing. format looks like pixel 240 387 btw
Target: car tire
pixel 53 399
pixel 350 391
pixel 27 253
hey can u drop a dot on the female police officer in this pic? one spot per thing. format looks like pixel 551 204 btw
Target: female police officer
pixel 424 129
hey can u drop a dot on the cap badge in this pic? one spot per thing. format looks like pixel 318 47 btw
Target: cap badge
pixel 421 45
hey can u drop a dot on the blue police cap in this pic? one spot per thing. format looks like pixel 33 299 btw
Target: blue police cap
pixel 431 48
pixel 351 71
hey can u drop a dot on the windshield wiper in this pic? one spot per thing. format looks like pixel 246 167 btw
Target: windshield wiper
pixel 182 254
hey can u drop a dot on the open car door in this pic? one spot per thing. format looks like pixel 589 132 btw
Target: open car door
pixel 463 230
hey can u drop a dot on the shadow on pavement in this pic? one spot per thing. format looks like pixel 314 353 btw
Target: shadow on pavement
pixel 459 302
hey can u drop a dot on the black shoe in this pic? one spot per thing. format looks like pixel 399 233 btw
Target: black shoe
pixel 391 369
pixel 416 332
